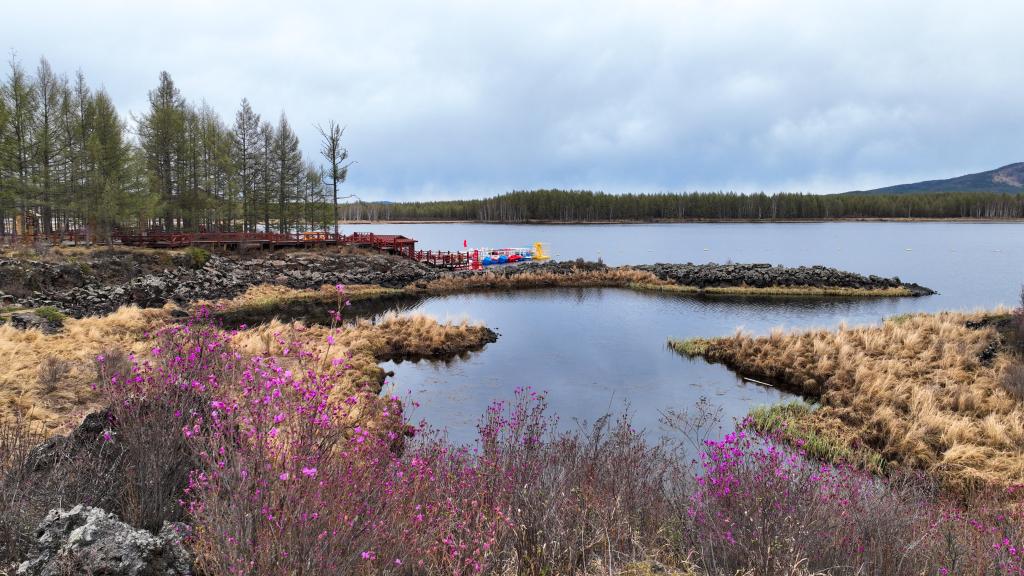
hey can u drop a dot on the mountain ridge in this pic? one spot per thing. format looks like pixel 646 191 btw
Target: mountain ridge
pixel 1007 179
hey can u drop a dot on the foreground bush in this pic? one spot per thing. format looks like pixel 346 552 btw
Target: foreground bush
pixel 277 478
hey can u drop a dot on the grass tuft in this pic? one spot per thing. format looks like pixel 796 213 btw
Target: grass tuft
pixel 51 314
pixel 197 257
pixel 691 346
pixel 794 424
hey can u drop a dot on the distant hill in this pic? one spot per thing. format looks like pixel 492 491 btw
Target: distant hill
pixel 1009 180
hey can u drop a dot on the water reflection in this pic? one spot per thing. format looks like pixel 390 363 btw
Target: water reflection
pixel 594 351
pixel 599 349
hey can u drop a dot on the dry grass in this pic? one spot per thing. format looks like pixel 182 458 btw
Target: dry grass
pixel 813 291
pixel 364 344
pixel 267 297
pixel 46 379
pixel 361 347
pixel 914 390
pixel 634 279
pixel 797 424
pixel 578 278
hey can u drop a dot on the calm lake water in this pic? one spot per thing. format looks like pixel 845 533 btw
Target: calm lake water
pixel 598 350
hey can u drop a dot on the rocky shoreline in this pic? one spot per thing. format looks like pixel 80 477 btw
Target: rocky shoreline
pixel 768 276
pixel 105 280
pixel 93 286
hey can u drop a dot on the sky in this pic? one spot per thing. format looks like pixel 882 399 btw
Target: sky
pixel 469 98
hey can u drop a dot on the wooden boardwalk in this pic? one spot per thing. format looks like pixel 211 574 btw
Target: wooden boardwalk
pixel 387 243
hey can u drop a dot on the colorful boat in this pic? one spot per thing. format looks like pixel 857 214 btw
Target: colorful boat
pixel 497 256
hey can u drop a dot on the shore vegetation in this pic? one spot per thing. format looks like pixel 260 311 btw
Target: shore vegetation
pixel 49 379
pixel 930 392
pixel 275 472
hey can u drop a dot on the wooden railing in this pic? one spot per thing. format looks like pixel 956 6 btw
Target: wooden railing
pixel 391 243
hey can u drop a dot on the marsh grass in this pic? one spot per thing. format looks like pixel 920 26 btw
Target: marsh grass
pixel 901 318
pixel 1013 380
pixel 363 345
pixel 691 347
pixel 915 391
pixel 70 253
pixel 794 423
pixel 640 280
pixel 780 291
pixel 264 302
pixel 577 277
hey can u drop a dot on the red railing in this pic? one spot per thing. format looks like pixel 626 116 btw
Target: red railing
pixel 454 260
pixel 392 243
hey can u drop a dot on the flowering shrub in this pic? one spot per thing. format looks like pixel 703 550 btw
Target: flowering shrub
pixel 282 470
pixel 761 506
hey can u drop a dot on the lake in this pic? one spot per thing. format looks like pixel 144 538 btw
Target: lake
pixel 598 350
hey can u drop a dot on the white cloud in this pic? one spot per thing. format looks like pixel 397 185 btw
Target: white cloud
pixel 465 97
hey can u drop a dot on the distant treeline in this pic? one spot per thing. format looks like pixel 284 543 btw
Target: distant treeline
pixel 70 162
pixel 584 206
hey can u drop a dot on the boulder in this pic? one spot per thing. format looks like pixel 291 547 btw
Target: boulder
pixel 87 540
pixel 29 320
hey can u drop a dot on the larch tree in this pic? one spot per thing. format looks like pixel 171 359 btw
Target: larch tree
pixel 266 172
pixel 215 167
pixel 161 135
pixel 336 156
pixel 78 111
pixel 313 196
pixel 22 104
pixel 245 138
pixel 108 157
pixel 287 170
pixel 7 195
pixel 49 147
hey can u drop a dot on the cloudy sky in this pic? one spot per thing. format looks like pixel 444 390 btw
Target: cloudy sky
pixel 460 98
